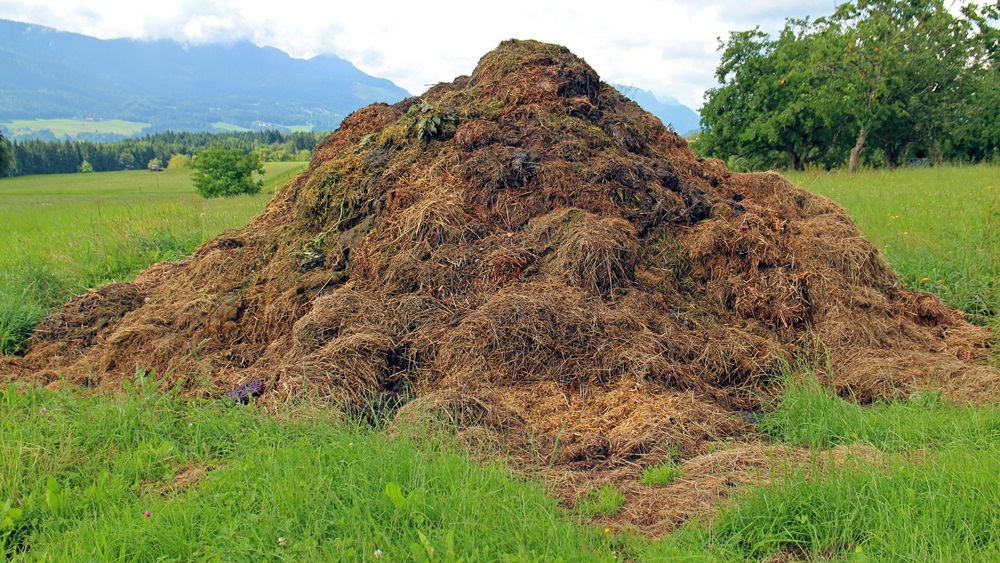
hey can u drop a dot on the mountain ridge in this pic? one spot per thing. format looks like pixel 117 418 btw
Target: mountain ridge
pixel 46 73
pixel 670 111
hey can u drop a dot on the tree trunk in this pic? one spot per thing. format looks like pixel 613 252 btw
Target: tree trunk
pixel 895 152
pixel 852 165
pixel 937 154
pixel 793 159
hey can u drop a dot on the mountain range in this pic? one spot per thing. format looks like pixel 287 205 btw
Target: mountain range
pixel 671 112
pixel 47 74
pixel 51 74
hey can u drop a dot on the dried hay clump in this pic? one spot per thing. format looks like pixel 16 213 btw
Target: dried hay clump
pixel 528 252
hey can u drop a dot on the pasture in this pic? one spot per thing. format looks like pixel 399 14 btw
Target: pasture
pixel 144 475
pixel 73 128
pixel 939 228
pixel 68 232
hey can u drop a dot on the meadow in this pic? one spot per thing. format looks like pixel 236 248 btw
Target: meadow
pixel 939 228
pixel 67 232
pixel 145 475
pixel 73 128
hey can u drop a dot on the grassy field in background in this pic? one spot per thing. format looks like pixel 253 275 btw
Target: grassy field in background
pixel 939 228
pixel 65 233
pixel 142 475
pixel 73 127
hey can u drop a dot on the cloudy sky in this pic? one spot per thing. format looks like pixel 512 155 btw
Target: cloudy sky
pixel 667 46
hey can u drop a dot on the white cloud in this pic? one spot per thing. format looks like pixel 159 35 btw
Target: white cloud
pixel 667 46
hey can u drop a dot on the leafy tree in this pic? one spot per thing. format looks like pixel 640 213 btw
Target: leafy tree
pixel 895 74
pixel 86 167
pixel 6 160
pixel 767 106
pixel 179 160
pixel 893 64
pixel 222 172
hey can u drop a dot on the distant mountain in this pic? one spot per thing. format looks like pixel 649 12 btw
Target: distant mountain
pixel 45 73
pixel 671 112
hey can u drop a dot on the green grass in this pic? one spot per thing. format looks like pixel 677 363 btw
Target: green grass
pixel 811 415
pixel 65 233
pixel 73 127
pixel 939 228
pixel 928 490
pixel 223 126
pixel 661 474
pixel 604 501
pixel 109 478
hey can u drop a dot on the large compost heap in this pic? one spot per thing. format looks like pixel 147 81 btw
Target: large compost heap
pixel 527 252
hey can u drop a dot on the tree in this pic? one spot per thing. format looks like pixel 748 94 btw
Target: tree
pixel 893 62
pixel 223 172
pixel 767 108
pixel 6 160
pixel 893 74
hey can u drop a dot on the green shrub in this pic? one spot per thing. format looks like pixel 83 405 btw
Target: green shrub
pixel 222 172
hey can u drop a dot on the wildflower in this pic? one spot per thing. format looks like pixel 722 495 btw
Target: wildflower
pixel 924 280
pixel 940 281
pixel 378 554
pixel 281 541
pixel 43 411
pixel 607 530
pixel 148 514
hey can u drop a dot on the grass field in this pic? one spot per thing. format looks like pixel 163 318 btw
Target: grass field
pixel 65 233
pixel 147 476
pixel 73 127
pixel 938 227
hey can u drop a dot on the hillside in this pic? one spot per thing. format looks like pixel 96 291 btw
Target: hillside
pixel 45 73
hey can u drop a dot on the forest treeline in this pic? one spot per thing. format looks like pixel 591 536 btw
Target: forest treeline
pixel 878 82
pixel 162 149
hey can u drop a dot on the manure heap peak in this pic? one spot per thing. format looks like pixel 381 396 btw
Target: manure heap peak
pixel 526 251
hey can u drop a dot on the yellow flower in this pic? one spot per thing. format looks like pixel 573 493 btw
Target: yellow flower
pixel 607 530
pixel 940 281
pixel 923 280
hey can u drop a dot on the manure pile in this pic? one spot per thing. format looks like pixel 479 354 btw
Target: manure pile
pixel 529 254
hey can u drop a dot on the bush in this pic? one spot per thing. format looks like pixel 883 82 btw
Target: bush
pixel 223 172
pixel 179 161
